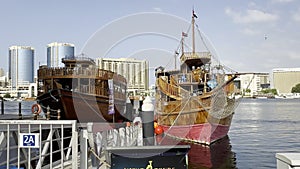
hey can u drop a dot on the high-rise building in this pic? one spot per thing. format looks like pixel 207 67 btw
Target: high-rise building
pixel 21 65
pixel 135 71
pixel 284 79
pixel 2 73
pixel 254 83
pixel 57 51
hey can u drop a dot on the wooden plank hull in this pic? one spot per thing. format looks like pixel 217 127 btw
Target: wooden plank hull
pixel 81 107
pixel 193 120
pixel 206 133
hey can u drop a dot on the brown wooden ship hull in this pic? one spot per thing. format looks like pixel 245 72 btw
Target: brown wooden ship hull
pixel 81 107
pixel 81 91
pixel 191 121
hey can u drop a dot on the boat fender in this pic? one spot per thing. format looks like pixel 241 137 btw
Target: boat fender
pixel 36 109
pixel 159 130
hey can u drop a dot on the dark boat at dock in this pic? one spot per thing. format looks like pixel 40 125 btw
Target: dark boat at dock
pixel 81 91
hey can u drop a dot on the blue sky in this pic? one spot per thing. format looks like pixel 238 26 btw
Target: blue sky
pixel 249 36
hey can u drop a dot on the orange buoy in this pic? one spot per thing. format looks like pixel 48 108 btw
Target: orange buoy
pixel 159 130
pixel 36 109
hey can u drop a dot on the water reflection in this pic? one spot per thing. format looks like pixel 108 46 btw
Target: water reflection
pixel 219 155
pixel 12 107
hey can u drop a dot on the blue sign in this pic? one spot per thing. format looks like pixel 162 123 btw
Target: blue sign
pixel 29 140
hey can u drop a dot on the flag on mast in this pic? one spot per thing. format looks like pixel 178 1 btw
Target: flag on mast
pixel 184 34
pixel 194 14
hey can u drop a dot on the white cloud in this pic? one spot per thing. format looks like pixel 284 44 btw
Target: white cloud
pixel 250 32
pixel 283 1
pixel 293 55
pixel 296 15
pixel 251 16
pixel 157 9
pixel 252 5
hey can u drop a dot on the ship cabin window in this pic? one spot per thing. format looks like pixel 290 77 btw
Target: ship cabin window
pixel 182 78
pixel 197 92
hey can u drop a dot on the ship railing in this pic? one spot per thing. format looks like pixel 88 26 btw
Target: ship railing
pixel 183 78
pixel 100 91
pixel 188 104
pixel 173 80
pixel 78 71
pixel 118 94
pixel 197 55
pixel 79 58
pixel 172 90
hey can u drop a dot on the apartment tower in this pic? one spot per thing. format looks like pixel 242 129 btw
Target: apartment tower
pixel 21 66
pixel 57 51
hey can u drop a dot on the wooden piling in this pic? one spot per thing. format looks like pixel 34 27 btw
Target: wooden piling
pixel 2 106
pixel 20 110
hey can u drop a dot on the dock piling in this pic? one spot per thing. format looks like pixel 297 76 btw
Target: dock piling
pixel 2 106
pixel 129 110
pixel 83 149
pixel 147 116
pixel 20 111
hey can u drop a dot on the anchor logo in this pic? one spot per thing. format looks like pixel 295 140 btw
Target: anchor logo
pixel 149 166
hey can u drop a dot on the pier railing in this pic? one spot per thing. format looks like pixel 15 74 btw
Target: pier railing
pixel 38 143
pixel 95 138
pixel 45 73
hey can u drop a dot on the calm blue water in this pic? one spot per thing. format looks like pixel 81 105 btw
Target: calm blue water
pixel 260 129
pixel 263 127
pixel 12 107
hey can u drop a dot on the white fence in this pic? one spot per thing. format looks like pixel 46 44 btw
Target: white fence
pixel 100 136
pixel 38 143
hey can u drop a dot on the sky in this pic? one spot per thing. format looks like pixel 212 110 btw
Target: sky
pixel 247 35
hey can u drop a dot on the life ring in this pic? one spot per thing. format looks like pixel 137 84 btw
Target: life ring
pixel 36 109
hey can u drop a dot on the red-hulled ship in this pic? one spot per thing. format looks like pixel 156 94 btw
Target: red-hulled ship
pixel 196 102
pixel 81 91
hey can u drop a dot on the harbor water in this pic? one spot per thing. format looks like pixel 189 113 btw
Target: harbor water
pixel 263 127
pixel 260 128
pixel 12 107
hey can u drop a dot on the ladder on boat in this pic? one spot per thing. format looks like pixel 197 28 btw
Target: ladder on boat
pixel 175 92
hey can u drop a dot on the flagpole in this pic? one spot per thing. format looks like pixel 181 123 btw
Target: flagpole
pixel 193 31
pixel 182 45
pixel 175 56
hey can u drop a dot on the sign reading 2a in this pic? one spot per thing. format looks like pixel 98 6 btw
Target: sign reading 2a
pixel 29 140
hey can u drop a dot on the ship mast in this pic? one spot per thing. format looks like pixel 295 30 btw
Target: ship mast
pixel 193 30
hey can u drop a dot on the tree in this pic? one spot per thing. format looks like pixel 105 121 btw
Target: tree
pixel 269 91
pixel 7 95
pixel 296 89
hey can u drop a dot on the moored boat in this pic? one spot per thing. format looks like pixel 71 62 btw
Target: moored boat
pixel 196 102
pixel 81 91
